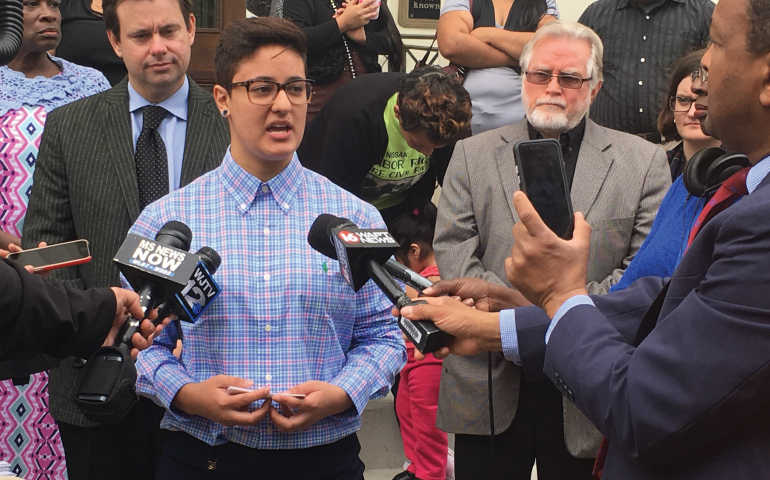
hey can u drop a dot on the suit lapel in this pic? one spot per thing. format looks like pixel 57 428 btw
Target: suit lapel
pixel 120 146
pixel 506 164
pixel 592 167
pixel 196 150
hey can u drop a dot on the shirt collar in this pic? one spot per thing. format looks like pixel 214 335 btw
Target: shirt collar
pixel 245 187
pixel 573 138
pixel 757 173
pixel 176 104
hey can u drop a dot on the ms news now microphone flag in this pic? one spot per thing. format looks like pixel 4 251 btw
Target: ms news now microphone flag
pixel 361 254
pixel 156 269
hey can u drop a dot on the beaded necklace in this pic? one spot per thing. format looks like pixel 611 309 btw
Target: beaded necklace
pixel 347 47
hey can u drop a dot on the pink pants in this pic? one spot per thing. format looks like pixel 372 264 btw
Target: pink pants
pixel 416 404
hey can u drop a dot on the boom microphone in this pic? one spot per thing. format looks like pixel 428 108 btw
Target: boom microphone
pixel 155 269
pixel 361 255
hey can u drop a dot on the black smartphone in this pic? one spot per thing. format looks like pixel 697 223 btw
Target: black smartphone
pixel 54 256
pixel 543 178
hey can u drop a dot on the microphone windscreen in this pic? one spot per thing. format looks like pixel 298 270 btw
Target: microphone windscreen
pixel 175 234
pixel 210 258
pixel 319 235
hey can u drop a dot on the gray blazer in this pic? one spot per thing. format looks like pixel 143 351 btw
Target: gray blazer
pixel 85 187
pixel 620 180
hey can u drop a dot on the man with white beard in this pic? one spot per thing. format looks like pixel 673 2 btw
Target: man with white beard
pixel 617 180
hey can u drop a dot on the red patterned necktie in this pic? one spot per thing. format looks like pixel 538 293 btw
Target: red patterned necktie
pixel 731 190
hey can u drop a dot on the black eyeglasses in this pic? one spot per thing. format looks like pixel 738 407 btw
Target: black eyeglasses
pixel 565 81
pixel 701 74
pixel 263 92
pixel 681 104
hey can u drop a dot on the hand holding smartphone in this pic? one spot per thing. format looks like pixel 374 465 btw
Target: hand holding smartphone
pixel 50 257
pixel 543 178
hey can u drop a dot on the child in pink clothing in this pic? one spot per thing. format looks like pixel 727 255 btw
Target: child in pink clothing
pixel 417 400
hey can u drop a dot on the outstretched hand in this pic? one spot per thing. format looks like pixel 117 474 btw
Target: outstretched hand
pixel 15 248
pixel 475 292
pixel 470 330
pixel 546 269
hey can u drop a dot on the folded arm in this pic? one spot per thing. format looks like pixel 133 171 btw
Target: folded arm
pixel 456 43
pixel 508 42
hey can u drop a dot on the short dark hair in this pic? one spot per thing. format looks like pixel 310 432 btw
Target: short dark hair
pixel 758 37
pixel 681 69
pixel 416 224
pixel 437 103
pixel 242 38
pixel 110 9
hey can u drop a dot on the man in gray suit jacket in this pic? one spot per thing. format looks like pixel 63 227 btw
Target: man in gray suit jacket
pixel 617 181
pixel 88 184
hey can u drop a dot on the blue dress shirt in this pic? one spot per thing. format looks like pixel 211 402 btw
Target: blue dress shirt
pixel 172 129
pixel 285 315
pixel 508 317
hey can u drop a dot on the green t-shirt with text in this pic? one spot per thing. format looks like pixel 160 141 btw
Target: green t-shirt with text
pixel 400 168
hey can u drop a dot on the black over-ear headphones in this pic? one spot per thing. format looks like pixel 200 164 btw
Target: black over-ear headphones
pixel 708 168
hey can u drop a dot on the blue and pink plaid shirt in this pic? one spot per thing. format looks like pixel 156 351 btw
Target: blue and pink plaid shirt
pixel 285 315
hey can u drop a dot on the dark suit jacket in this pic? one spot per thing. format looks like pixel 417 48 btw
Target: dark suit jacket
pixel 40 316
pixel 85 187
pixel 693 400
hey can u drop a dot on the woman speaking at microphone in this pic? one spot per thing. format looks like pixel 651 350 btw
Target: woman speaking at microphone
pixel 286 322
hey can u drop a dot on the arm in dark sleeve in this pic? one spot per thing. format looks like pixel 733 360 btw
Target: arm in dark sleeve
pixel 624 309
pixel 352 144
pixel 321 36
pixel 49 215
pixel 38 316
pixel 701 373
pixel 378 37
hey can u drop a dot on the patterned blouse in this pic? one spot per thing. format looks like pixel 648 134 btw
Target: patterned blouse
pixel 24 106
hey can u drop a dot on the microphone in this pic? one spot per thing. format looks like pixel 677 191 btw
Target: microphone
pixel 361 255
pixel 407 275
pixel 200 291
pixel 155 269
pixel 104 390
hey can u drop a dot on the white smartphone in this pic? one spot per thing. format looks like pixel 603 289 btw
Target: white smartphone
pixel 238 390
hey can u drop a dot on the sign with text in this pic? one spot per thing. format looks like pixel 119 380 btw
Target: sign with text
pixel 424 9
pixel 419 13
